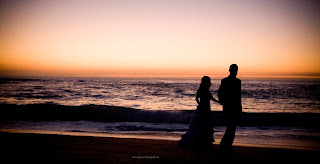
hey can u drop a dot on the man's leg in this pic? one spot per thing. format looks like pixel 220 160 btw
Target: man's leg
pixel 229 135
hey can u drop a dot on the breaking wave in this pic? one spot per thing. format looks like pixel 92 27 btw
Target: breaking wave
pixel 102 113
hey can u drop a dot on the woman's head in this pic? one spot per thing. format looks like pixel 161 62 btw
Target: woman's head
pixel 205 82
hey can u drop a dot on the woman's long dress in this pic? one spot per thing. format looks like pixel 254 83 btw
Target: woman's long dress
pixel 200 133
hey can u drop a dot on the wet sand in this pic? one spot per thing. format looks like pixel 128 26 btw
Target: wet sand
pixel 50 148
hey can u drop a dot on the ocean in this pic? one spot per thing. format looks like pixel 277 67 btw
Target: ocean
pixel 258 96
pixel 277 112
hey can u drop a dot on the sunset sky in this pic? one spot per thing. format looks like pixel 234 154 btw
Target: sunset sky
pixel 159 37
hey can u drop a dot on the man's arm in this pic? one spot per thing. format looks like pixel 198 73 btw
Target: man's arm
pixel 220 93
pixel 240 97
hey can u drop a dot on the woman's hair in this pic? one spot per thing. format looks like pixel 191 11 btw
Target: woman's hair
pixel 205 82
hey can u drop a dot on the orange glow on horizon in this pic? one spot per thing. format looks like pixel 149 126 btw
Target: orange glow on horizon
pixel 159 39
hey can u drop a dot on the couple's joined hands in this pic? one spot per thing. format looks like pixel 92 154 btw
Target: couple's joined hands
pixel 217 101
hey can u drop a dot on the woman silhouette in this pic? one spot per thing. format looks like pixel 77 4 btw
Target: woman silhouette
pixel 200 133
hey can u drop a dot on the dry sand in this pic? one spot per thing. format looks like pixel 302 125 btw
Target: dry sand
pixel 49 148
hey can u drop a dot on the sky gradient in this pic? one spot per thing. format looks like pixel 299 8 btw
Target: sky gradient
pixel 159 38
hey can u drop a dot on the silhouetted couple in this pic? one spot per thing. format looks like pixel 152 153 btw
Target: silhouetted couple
pixel 200 133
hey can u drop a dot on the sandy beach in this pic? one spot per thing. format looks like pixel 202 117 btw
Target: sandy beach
pixel 49 148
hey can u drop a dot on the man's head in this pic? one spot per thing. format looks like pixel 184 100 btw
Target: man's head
pixel 233 69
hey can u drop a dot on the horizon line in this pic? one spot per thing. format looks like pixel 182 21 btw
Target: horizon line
pixel 184 75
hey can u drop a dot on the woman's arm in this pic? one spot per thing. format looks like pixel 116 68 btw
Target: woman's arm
pixel 213 99
pixel 197 97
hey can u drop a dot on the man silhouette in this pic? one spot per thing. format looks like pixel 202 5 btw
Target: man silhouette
pixel 229 95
